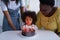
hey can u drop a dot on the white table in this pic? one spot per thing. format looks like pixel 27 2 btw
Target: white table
pixel 40 35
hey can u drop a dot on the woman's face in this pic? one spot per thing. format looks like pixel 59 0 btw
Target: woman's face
pixel 45 9
pixel 28 20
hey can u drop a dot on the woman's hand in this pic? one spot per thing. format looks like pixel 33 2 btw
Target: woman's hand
pixel 14 28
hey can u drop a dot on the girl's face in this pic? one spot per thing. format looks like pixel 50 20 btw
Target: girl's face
pixel 28 20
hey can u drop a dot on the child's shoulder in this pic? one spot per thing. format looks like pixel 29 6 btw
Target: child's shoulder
pixel 34 25
pixel 23 25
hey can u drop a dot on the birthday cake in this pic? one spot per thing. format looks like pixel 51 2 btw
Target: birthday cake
pixel 29 33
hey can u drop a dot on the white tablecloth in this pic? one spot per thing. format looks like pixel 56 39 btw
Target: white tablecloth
pixel 40 35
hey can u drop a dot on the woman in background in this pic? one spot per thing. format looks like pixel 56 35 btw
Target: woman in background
pixel 10 10
pixel 48 17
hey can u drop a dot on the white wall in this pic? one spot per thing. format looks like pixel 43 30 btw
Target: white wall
pixel 57 2
pixel 1 18
pixel 34 5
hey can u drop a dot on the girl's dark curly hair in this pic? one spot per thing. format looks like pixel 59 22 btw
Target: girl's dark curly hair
pixel 31 14
pixel 48 2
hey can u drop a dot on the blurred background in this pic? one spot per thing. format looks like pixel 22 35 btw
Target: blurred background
pixel 32 5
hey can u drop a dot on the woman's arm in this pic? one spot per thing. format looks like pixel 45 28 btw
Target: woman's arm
pixel 58 24
pixel 22 6
pixel 21 9
pixel 6 14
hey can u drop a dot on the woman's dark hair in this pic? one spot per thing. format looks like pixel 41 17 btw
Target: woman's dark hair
pixel 31 14
pixel 48 2
pixel 7 1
